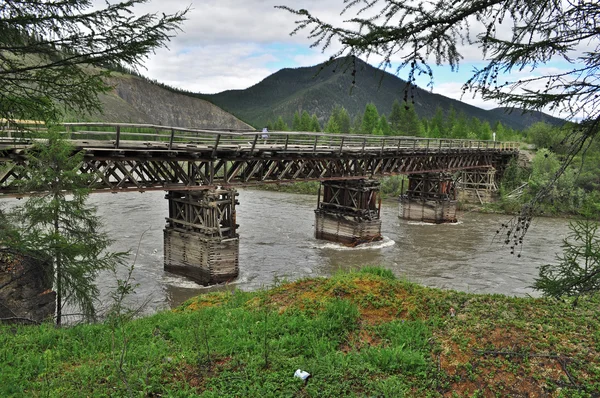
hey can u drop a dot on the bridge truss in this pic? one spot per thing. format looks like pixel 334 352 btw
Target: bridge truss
pixel 164 158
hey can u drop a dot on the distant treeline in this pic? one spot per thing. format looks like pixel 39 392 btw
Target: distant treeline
pixel 402 121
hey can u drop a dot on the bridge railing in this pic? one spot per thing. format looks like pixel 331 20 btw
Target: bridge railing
pixel 17 129
pixel 119 135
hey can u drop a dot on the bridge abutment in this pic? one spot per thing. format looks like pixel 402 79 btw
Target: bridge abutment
pixel 348 211
pixel 200 238
pixel 430 197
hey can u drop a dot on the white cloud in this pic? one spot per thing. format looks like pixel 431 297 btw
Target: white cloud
pixel 211 68
pixel 454 90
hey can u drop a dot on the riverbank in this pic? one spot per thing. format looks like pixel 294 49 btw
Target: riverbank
pixel 359 333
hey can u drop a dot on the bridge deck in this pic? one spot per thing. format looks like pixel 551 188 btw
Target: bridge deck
pixel 145 157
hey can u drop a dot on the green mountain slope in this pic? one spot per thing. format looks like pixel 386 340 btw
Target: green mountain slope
pixel 318 89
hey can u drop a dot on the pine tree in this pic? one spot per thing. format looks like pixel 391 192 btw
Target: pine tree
pixel 315 126
pixel 332 126
pixel 342 119
pixel 409 121
pixel 460 129
pixel 357 124
pixel 578 270
pixel 296 124
pixel 280 125
pixel 305 121
pixel 57 224
pixel 450 121
pixel 396 118
pixel 384 126
pixel 370 119
pixel 485 133
pixel 437 124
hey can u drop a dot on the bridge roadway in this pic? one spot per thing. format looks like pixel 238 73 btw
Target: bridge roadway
pixel 134 157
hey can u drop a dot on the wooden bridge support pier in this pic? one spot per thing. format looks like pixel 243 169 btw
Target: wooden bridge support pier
pixel 430 197
pixel 348 211
pixel 200 238
pixel 478 186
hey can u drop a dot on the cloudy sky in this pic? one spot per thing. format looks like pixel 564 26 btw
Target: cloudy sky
pixel 234 44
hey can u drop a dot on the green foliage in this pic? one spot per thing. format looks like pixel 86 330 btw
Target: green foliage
pixel 485 131
pixel 305 121
pixel 396 118
pixel 332 126
pixel 370 119
pixel 543 135
pixel 384 126
pixel 514 176
pixel 315 126
pixel 296 124
pixel 342 118
pixel 578 270
pixel 280 125
pixel 563 196
pixel 460 128
pixel 54 54
pixel 357 124
pixel 438 125
pixel 57 224
pixel 379 271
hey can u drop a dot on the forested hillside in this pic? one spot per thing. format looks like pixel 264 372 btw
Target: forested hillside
pixel 319 89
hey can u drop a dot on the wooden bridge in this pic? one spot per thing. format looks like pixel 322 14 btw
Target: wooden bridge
pixel 200 169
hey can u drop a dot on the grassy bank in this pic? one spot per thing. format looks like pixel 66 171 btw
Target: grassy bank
pixel 358 334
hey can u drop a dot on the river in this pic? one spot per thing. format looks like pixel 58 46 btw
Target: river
pixel 277 243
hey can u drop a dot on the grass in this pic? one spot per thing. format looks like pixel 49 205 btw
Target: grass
pixel 358 334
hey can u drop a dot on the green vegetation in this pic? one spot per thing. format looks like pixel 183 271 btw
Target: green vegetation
pixel 574 192
pixel 57 224
pixel 402 121
pixel 578 270
pixel 357 334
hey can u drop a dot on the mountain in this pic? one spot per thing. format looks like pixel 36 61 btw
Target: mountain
pixel 318 89
pixel 137 100
pixel 528 118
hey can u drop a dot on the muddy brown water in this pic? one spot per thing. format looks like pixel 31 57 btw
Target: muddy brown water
pixel 277 243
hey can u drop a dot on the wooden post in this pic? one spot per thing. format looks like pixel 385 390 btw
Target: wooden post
pixel 319 195
pixel 254 144
pixel 214 152
pixel 118 137
pixel 171 139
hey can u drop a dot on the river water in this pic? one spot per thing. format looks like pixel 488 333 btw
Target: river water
pixel 277 243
